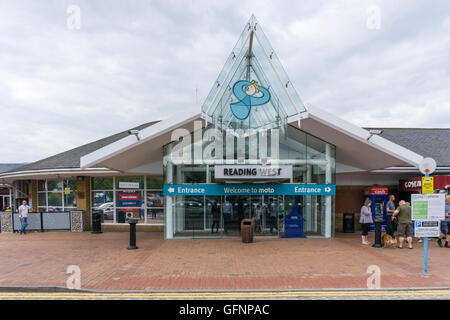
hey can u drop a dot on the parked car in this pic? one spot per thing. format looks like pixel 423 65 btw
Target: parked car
pixel 107 209
pixel 154 200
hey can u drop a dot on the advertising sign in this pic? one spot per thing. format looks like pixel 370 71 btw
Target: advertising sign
pixel 129 199
pixel 427 185
pixel 128 185
pixel 230 172
pixel 427 229
pixel 248 189
pixel 428 207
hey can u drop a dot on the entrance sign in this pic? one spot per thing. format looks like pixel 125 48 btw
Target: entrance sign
pixel 248 189
pixel 252 172
pixel 428 207
pixel 427 185
pixel 427 229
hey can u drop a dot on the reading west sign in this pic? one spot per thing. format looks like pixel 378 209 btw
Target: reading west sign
pixel 268 172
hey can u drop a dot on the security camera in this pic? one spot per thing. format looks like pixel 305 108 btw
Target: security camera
pixel 135 132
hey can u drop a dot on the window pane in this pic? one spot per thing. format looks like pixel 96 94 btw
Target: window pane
pixel 72 184
pixel 154 183
pixel 103 200
pixel 155 199
pixel 70 200
pixel 54 185
pixel 41 199
pixel 102 183
pixel 41 185
pixel 54 199
pixel 155 215
pixel 101 197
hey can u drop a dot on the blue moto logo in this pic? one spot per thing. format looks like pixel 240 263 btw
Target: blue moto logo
pixel 249 94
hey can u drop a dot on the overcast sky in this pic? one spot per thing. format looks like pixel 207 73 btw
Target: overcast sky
pixel 136 61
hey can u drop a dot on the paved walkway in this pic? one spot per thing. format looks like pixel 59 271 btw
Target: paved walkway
pixel 41 259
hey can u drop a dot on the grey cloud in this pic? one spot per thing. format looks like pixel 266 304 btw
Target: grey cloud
pixel 138 61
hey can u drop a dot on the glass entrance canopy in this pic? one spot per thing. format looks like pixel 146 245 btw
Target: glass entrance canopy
pixel 253 59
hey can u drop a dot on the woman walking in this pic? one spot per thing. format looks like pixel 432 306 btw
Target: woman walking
pixel 366 220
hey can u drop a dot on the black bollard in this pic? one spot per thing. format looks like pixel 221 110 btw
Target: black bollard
pixel 132 223
pixel 377 243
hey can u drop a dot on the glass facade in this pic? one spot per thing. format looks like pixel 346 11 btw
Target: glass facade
pixel 191 161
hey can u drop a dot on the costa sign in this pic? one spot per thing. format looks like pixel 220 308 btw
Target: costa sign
pixel 415 184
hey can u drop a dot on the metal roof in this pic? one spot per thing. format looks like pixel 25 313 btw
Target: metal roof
pixel 71 158
pixel 4 167
pixel 428 142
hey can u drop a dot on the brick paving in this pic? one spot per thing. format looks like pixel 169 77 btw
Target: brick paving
pixel 41 259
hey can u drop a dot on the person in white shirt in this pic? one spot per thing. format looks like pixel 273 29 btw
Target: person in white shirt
pixel 23 214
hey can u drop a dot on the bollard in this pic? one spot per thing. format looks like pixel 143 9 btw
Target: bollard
pixel 132 223
pixel 377 243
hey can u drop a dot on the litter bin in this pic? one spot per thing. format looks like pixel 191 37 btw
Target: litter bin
pixel 121 215
pixel 348 222
pixel 247 230
pixel 97 221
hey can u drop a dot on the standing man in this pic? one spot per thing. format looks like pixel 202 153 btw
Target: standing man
pixel 215 212
pixel 403 213
pixel 390 223
pixel 23 214
pixel 273 215
pixel 445 224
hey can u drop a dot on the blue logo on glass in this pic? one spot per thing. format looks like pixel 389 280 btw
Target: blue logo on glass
pixel 249 94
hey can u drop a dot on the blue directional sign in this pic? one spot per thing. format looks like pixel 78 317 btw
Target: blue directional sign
pixel 248 189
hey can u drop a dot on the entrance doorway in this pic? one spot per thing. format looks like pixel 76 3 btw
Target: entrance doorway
pixel 212 216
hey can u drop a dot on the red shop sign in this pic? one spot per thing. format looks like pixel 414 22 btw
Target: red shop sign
pixel 415 184
pixel 129 196
pixel 376 189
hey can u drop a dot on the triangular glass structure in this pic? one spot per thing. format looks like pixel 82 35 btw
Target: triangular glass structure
pixel 233 103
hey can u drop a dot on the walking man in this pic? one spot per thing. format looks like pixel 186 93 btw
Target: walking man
pixel 445 224
pixel 404 229
pixel 23 214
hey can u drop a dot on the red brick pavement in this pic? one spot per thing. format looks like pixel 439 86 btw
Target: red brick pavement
pixel 41 259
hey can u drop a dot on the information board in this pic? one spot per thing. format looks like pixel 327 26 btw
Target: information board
pixel 426 229
pixel 428 207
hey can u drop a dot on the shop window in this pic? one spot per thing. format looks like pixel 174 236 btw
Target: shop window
pixel 122 197
pixel 56 195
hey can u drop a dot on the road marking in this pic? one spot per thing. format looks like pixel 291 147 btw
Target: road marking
pixel 220 295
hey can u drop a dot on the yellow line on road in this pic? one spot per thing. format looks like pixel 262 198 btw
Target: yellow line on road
pixel 220 295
